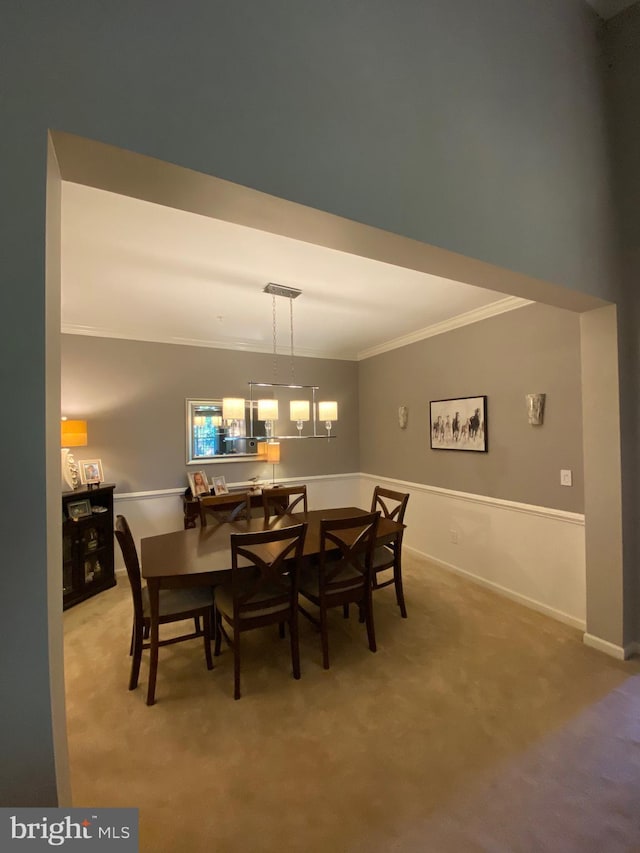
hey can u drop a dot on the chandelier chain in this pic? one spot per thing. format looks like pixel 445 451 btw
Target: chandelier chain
pixel 275 348
pixel 293 372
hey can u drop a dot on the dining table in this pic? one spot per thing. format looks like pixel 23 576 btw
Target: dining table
pixel 202 557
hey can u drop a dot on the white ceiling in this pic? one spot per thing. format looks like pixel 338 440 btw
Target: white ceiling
pixel 132 269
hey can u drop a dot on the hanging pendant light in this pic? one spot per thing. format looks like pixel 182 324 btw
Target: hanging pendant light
pixel 328 412
pixel 232 408
pixel 300 411
pixel 232 414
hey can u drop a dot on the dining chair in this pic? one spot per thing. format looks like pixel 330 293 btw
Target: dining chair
pixel 263 589
pixel 342 575
pixel 225 508
pixel 389 555
pixel 175 605
pixel 283 500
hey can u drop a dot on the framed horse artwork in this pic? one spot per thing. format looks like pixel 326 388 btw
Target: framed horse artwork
pixel 459 423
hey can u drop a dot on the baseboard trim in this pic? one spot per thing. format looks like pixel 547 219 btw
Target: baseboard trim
pixel 531 603
pixel 499 503
pixel 617 652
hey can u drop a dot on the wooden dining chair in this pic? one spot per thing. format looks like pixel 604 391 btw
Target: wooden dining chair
pixel 284 500
pixel 175 605
pixel 225 508
pixel 263 589
pixel 389 555
pixel 342 575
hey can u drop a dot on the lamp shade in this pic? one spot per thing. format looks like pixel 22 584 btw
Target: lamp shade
pixel 73 433
pixel 299 410
pixel 273 452
pixel 233 408
pixel 328 410
pixel 267 410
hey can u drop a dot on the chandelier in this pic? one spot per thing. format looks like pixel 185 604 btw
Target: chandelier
pixel 305 411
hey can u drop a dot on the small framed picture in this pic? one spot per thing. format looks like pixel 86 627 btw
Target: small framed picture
pixel 79 509
pixel 90 471
pixel 198 483
pixel 220 486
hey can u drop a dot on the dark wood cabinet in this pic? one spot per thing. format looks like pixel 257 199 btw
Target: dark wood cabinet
pixel 87 543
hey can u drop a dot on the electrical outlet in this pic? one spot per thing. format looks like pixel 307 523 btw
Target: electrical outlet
pixel 453 534
pixel 565 477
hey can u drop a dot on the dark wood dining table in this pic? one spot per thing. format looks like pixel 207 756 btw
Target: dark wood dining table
pixel 202 557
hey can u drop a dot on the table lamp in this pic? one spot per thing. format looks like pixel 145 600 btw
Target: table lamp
pixel 72 434
pixel 273 456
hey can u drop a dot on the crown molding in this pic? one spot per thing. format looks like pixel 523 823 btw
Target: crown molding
pixel 509 303
pixel 238 346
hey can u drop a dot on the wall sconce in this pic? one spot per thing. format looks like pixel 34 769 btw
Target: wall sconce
pixel 328 412
pixel 299 412
pixel 403 416
pixel 535 408
pixel 72 434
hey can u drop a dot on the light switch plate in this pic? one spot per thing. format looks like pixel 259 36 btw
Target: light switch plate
pixel 565 477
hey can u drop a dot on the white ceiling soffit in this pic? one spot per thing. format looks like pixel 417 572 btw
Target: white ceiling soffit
pixel 610 8
pixel 141 271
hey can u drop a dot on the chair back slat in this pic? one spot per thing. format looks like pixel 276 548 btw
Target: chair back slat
pixel 354 538
pixel 284 500
pixel 265 567
pixel 391 504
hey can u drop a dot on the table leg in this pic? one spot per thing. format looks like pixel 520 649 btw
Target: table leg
pixel 153 585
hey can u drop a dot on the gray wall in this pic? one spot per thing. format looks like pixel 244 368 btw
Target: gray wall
pixel 475 127
pixel 532 349
pixel 133 396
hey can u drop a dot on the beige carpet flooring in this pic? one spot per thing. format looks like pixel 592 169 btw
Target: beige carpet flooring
pixel 479 725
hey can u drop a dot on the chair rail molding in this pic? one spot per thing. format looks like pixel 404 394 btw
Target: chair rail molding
pixel 531 554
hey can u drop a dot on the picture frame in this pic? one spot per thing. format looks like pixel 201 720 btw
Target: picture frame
pixel 79 509
pixel 459 423
pixel 90 471
pixel 198 483
pixel 220 486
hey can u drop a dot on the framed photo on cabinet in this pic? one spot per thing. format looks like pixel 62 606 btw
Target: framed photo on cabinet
pixel 79 509
pixel 91 471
